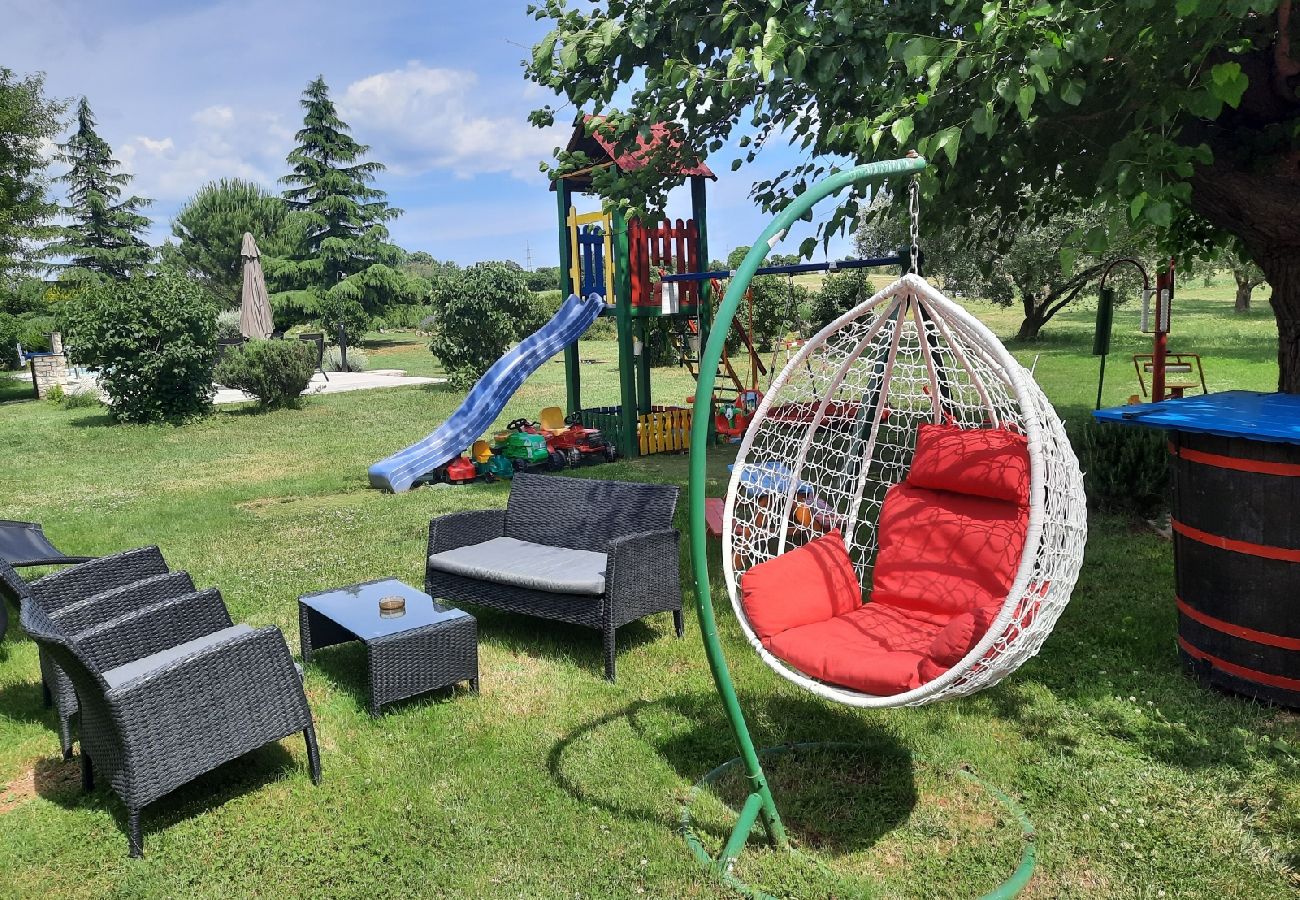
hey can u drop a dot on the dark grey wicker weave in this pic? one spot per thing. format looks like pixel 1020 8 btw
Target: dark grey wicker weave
pixel 70 591
pixel 163 728
pixel 408 657
pixel 632 523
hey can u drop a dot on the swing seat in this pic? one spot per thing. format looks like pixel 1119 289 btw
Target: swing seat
pixel 950 538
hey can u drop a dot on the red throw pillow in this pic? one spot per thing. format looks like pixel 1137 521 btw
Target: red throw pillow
pixel 809 584
pixel 955 641
pixel 978 462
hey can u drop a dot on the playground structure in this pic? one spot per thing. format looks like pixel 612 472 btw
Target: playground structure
pixel 1171 374
pixel 905 435
pixel 646 271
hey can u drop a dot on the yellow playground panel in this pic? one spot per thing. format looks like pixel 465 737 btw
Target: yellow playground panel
pixel 664 430
pixel 585 231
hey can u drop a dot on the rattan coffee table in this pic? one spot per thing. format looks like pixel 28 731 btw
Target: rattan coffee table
pixel 425 648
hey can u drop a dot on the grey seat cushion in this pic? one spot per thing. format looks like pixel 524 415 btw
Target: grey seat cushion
pixel 507 560
pixel 122 674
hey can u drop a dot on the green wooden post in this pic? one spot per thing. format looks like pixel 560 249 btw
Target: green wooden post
pixel 700 215
pixel 643 400
pixel 623 318
pixel 572 371
pixel 760 797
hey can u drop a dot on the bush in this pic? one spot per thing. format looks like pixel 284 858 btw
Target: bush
pixel 8 341
pixel 333 361
pixel 1125 468
pixel 841 291
pixel 481 311
pixel 228 325
pixel 34 332
pixel 274 372
pixel 84 399
pixel 152 340
pixel 404 315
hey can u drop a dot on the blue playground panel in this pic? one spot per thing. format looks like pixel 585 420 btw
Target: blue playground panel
pixel 486 399
pixel 1230 414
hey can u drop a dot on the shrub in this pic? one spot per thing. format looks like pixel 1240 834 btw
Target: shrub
pixel 333 361
pixel 34 332
pixel 152 339
pixel 1125 469
pixel 228 325
pixel 84 399
pixel 403 315
pixel 9 328
pixel 481 311
pixel 841 291
pixel 274 372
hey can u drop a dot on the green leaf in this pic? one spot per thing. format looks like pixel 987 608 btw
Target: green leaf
pixel 932 73
pixel 1025 100
pixel 1228 83
pixel 1072 91
pixel 1067 257
pixel 902 130
pixel 1185 8
pixel 569 55
pixel 982 120
pixel 762 64
pixel 1136 204
pixel 639 29
pixel 1039 11
pixel 1096 240
pixel 1036 72
pixel 915 53
pixel 542 52
pixel 1159 213
pixel 949 141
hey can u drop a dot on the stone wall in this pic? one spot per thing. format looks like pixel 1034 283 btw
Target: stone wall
pixel 48 370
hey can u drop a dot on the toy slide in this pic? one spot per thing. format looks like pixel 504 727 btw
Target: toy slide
pixel 487 398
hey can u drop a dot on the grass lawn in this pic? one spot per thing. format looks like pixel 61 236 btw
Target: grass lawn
pixel 554 783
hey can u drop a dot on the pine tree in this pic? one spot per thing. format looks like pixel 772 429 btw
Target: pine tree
pixel 105 234
pixel 26 118
pixel 344 272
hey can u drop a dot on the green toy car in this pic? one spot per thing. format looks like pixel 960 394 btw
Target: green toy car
pixel 526 450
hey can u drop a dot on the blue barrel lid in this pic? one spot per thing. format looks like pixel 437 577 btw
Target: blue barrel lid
pixel 1234 414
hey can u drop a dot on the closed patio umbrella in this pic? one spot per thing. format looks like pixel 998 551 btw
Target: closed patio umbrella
pixel 254 305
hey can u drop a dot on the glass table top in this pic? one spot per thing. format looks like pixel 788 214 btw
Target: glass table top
pixel 356 608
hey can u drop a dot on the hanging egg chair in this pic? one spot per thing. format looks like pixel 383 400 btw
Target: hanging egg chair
pixel 905 519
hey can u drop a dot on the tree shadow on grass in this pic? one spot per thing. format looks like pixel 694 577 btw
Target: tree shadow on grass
pixel 836 799
pixel 22 703
pixel 59 781
pixel 530 636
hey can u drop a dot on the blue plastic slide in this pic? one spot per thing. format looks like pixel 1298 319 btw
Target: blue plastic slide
pixel 487 398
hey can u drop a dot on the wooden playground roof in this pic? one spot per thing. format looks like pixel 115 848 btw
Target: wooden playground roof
pixel 600 149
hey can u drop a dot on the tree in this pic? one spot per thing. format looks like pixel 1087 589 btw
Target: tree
pixel 210 228
pixel 1008 259
pixel 26 119
pixel 1245 272
pixel 152 337
pixel 1184 113
pixel 105 236
pixel 480 312
pixel 340 218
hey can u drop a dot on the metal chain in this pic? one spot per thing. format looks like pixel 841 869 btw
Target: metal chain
pixel 914 212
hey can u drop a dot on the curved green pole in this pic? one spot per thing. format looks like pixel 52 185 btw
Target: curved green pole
pixel 760 802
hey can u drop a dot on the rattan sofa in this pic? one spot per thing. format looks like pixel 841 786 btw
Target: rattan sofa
pixel 172 690
pixel 595 553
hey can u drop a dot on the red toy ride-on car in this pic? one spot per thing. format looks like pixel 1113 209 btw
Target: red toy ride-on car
pixel 569 436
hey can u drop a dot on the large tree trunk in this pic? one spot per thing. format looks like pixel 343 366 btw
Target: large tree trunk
pixel 1283 271
pixel 1244 290
pixel 1030 325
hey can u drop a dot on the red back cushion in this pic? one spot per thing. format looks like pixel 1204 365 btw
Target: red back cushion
pixel 946 553
pixel 809 584
pixel 978 462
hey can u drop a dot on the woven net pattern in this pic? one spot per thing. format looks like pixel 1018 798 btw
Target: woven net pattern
pixel 837 429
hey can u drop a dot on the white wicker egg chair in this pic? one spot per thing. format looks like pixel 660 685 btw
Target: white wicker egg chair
pixel 837 429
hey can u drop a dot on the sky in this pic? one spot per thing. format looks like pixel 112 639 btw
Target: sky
pixel 187 92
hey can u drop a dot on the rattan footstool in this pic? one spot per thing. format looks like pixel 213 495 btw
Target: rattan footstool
pixel 426 647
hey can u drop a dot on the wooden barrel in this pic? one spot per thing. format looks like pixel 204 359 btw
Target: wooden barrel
pixel 1236 524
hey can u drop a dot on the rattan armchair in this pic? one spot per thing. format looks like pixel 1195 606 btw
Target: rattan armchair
pixel 622 531
pixel 172 690
pixel 74 591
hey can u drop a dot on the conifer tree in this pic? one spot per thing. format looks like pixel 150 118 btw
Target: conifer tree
pixel 344 266
pixel 27 118
pixel 105 236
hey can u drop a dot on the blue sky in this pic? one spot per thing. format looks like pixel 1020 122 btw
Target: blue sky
pixel 186 92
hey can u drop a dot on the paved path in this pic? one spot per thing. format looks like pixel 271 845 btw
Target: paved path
pixel 338 383
pixel 341 382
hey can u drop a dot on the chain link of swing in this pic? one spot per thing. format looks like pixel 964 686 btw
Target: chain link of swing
pixel 914 214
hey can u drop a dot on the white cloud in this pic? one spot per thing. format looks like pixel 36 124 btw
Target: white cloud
pixel 421 118
pixel 153 146
pixel 214 116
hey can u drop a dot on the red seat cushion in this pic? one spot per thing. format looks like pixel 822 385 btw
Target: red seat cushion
pixel 978 462
pixel 945 552
pixel 949 542
pixel 809 584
